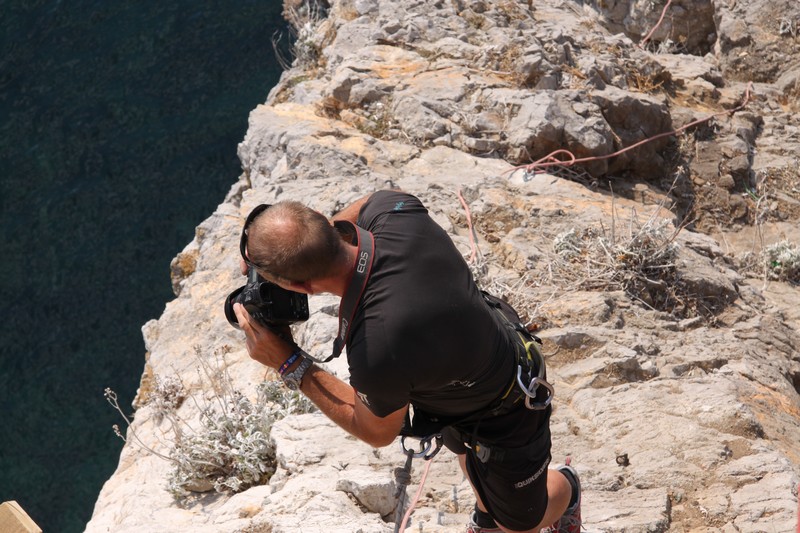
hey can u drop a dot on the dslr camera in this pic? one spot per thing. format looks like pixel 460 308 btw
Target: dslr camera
pixel 268 303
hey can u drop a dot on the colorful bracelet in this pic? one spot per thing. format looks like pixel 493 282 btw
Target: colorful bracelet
pixel 292 358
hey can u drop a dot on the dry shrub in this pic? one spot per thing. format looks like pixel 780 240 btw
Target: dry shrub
pixel 640 261
pixel 228 448
pixel 377 119
pixel 308 32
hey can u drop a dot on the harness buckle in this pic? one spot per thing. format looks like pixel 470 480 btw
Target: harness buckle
pixel 531 389
pixel 481 451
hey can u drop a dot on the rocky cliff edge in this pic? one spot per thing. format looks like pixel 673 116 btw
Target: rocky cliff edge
pixel 671 333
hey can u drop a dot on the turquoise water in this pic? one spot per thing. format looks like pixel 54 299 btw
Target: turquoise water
pixel 119 122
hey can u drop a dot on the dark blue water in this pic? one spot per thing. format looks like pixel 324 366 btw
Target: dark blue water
pixel 118 129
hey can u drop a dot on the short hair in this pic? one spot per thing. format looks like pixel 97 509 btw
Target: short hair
pixel 293 242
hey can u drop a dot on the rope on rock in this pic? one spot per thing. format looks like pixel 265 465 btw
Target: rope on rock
pixel 473 245
pixel 660 20
pixel 539 166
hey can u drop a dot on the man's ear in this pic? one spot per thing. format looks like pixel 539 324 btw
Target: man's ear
pixel 303 287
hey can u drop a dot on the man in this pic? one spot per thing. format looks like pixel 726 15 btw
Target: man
pixel 421 335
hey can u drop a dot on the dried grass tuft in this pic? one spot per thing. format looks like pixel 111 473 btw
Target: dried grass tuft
pixel 640 261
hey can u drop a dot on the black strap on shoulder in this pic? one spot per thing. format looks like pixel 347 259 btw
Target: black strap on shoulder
pixel 365 242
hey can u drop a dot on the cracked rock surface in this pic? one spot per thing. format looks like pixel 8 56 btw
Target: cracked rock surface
pixel 673 349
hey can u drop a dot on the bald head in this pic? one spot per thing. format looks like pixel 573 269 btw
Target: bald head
pixel 294 242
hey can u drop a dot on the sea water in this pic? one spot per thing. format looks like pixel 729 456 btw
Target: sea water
pixel 119 124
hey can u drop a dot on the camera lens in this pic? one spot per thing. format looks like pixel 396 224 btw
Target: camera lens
pixel 229 301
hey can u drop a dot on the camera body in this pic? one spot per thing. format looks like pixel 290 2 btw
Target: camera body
pixel 269 304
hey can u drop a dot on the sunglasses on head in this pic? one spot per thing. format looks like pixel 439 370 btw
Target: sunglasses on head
pixel 243 241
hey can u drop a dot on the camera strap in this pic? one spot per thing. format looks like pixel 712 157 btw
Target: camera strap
pixel 365 242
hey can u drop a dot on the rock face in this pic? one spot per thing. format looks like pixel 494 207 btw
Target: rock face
pixel 675 356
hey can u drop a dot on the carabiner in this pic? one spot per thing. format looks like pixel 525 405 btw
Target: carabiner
pixel 425 447
pixel 530 391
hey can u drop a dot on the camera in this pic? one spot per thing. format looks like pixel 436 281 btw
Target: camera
pixel 268 303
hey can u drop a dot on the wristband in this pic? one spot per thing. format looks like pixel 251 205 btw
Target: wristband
pixel 292 358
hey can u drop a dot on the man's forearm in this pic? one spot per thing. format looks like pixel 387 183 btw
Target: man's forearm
pixel 337 400
pixel 332 396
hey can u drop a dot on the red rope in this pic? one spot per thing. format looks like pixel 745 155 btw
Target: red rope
pixel 550 160
pixel 472 244
pixel 660 20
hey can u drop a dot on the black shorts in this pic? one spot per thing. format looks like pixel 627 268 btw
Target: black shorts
pixel 513 486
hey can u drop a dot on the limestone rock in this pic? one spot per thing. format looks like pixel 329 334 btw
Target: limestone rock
pixel 682 418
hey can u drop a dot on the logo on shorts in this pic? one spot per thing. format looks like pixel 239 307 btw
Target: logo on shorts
pixel 525 482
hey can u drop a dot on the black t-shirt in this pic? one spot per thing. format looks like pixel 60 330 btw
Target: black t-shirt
pixel 422 333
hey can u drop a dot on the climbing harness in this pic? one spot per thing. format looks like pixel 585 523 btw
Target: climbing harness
pixel 428 448
pixel 530 384
pixel 529 358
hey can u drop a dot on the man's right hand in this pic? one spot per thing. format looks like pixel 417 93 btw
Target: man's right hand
pixel 268 347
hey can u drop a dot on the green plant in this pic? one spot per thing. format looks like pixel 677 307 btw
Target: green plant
pixel 782 261
pixel 231 451
pixel 284 402
pixel 228 448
